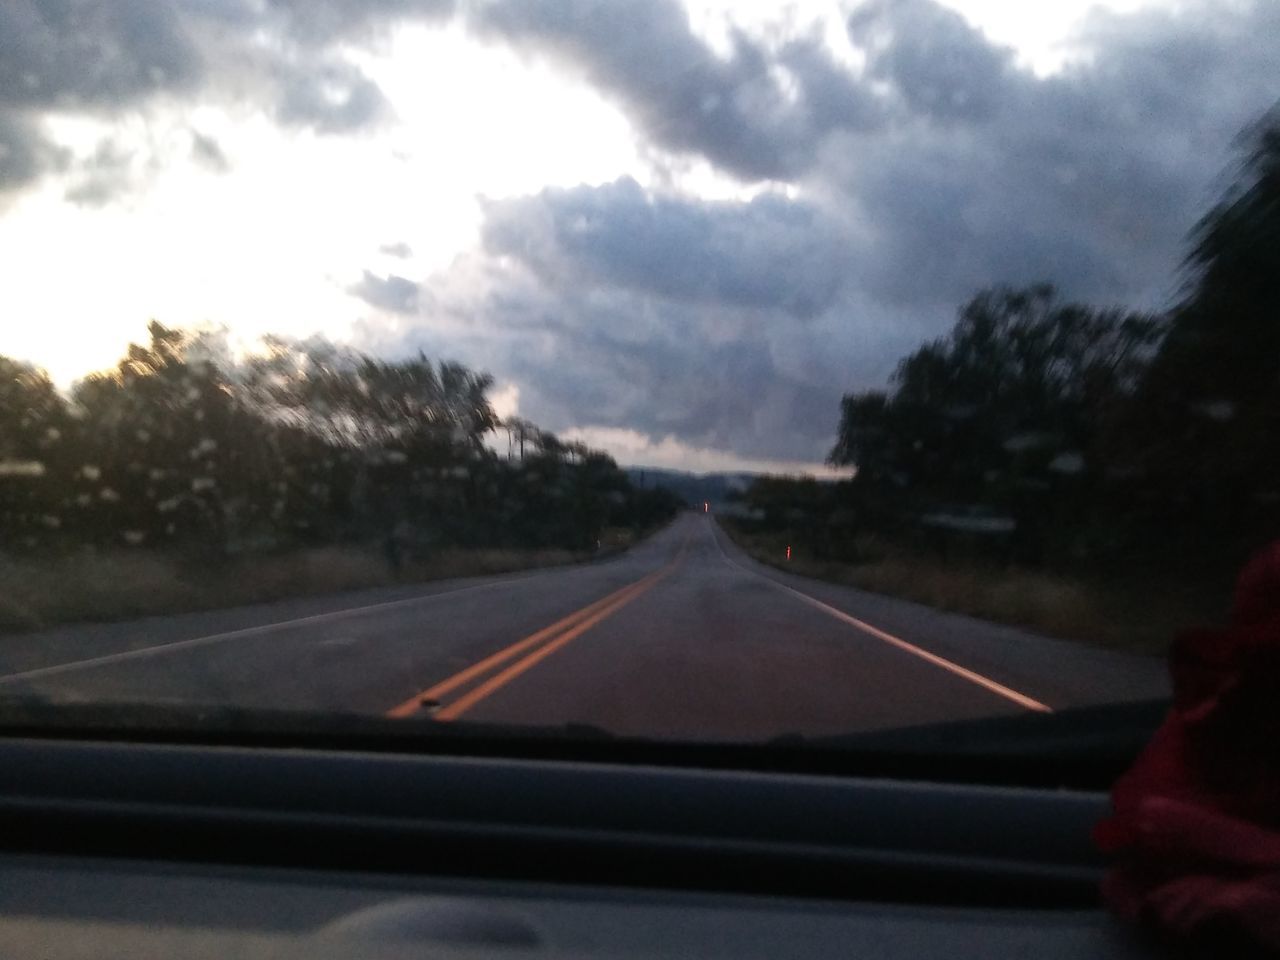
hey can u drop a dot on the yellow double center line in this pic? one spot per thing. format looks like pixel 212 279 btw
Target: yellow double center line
pixel 539 646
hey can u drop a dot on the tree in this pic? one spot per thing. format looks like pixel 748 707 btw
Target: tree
pixel 169 449
pixel 181 444
pixel 1005 413
pixel 35 442
pixel 350 399
pixel 1205 428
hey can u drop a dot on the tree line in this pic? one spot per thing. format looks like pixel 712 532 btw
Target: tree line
pixel 1055 432
pixel 180 445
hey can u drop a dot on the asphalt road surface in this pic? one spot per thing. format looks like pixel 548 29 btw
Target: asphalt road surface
pixel 682 636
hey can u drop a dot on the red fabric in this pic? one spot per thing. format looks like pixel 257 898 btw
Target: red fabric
pixel 1257 596
pixel 1196 822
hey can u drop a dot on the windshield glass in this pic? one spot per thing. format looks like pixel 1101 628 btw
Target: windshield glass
pixel 675 369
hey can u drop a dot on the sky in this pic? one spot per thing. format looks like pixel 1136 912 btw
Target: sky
pixel 679 231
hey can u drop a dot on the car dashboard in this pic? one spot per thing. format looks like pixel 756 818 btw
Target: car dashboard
pixel 134 849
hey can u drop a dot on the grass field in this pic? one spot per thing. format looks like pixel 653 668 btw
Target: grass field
pixel 118 584
pixel 1123 611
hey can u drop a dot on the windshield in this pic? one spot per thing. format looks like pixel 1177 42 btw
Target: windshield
pixel 678 370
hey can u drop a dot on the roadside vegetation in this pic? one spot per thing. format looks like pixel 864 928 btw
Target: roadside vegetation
pixel 1137 614
pixel 119 584
pixel 1095 473
pixel 187 478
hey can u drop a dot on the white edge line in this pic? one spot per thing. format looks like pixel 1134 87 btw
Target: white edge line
pixel 162 648
pixel 1009 694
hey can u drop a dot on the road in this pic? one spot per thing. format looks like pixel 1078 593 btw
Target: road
pixel 682 636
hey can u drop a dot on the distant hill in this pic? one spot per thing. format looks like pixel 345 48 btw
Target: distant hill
pixel 695 488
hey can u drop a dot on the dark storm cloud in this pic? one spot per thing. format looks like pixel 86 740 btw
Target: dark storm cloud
pixel 940 220
pixel 766 254
pixel 939 64
pixel 963 169
pixel 737 112
pixel 392 293
pixel 24 152
pixel 106 58
pixel 75 54
pixel 323 22
pixel 656 367
pixel 724 396
pixel 1090 177
pixel 754 381
pixel 955 166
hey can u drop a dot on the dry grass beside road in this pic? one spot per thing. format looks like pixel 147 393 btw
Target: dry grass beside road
pixel 118 584
pixel 1133 614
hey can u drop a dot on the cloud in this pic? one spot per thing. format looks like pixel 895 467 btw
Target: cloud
pixel 207 152
pixel 716 377
pixel 935 61
pixel 756 114
pixel 327 95
pixel 75 55
pixel 632 447
pixel 287 57
pixel 81 57
pixel 400 250
pixel 325 22
pixel 770 253
pixel 104 176
pixel 1090 177
pixel 950 164
pixel 391 293
pixel 736 325
pixel 895 178
pixel 25 153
